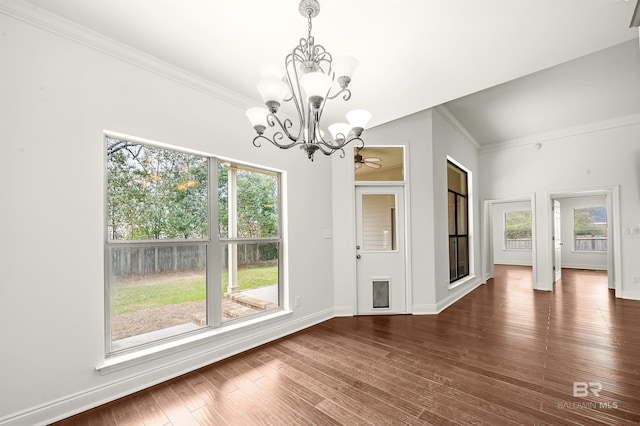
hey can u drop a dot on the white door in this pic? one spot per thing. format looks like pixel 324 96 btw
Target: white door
pixel 557 243
pixel 380 250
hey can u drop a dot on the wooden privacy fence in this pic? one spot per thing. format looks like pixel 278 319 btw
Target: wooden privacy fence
pixel 591 243
pixel 179 257
pixel 582 243
pixel 518 244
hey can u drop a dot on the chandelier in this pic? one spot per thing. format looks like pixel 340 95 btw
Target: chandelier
pixel 311 75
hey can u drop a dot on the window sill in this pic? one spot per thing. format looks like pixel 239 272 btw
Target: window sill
pixel 120 362
pixel 461 281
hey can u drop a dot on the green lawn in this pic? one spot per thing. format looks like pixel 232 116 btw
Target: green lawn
pixel 127 299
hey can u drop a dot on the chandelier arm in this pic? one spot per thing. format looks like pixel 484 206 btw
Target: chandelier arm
pixel 331 151
pixel 296 91
pixel 276 136
pixel 341 145
pixel 272 119
pixel 346 96
pixel 325 151
pixel 321 56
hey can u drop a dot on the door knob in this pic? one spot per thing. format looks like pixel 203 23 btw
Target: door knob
pixel 358 256
pixel 357 247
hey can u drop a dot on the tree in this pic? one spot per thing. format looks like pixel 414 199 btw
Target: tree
pixel 518 224
pixel 257 198
pixel 257 204
pixel 155 193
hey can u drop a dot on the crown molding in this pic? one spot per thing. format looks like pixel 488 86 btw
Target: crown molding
pixel 628 120
pixel 448 115
pixel 61 27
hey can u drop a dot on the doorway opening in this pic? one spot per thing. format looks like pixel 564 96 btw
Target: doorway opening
pixel 586 234
pixel 509 224
pixel 381 235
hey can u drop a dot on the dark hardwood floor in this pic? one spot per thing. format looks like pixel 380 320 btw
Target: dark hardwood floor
pixel 503 355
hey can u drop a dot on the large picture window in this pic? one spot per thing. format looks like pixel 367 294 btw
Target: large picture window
pixel 590 229
pixel 166 263
pixel 457 183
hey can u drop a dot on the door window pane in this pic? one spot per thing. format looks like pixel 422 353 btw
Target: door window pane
pixel 378 222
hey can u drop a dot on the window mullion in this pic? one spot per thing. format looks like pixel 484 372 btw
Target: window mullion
pixel 214 252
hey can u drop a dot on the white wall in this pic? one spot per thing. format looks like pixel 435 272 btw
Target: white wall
pixel 450 141
pixel 429 138
pixel 570 257
pixel 57 97
pixel 414 133
pixel 598 157
pixel 501 255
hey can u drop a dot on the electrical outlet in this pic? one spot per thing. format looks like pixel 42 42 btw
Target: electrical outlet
pixel 298 301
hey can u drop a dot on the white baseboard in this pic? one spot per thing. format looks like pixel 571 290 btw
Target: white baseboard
pixel 512 263
pixel 425 309
pixel 91 398
pixel 580 266
pixel 631 294
pixel 459 293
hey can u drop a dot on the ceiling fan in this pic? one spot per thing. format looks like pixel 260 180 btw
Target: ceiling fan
pixel 359 160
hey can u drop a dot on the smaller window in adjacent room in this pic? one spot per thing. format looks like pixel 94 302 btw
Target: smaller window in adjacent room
pixel 517 230
pixel 458 222
pixel 590 229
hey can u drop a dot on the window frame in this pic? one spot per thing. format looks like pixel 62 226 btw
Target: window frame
pixel 506 248
pixel 457 236
pixel 575 230
pixel 222 241
pixel 214 245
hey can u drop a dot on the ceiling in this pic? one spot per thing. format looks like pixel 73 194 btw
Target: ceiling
pixel 414 54
pixel 599 87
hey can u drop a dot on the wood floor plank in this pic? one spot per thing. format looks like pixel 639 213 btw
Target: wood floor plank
pixel 148 409
pixel 206 415
pixel 503 355
pixel 172 406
